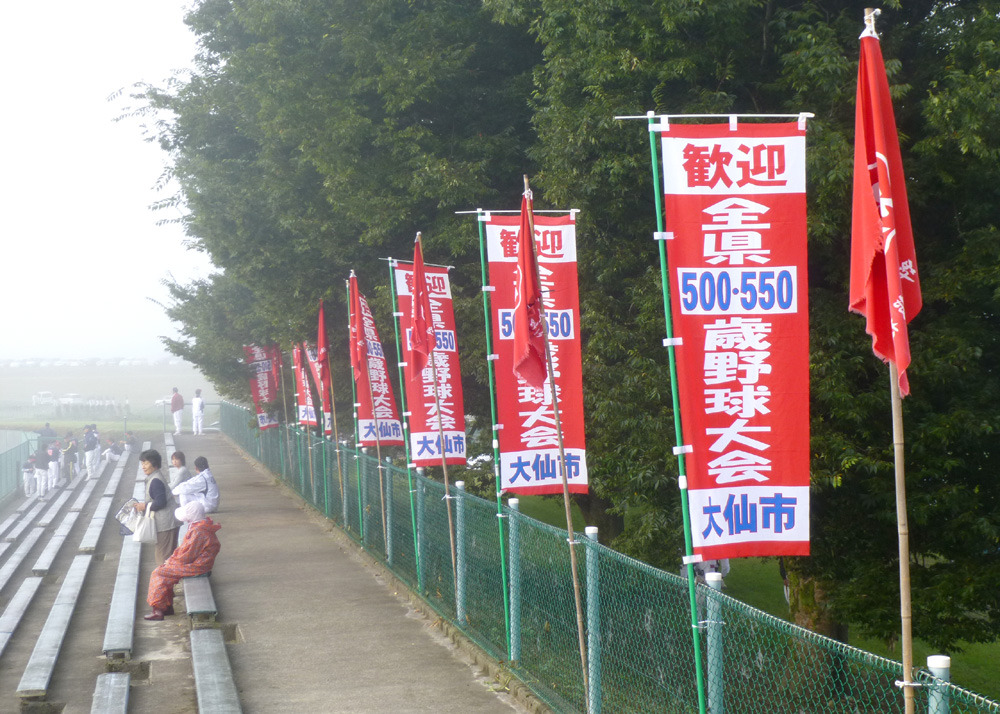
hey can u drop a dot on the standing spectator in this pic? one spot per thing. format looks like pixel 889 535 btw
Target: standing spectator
pixel 201 487
pixel 177 408
pixel 47 434
pixel 41 472
pixel 54 465
pixel 69 454
pixel 28 476
pixel 161 502
pixel 197 413
pixel 91 451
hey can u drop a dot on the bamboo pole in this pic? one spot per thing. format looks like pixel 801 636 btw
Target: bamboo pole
pixel 284 400
pixel 444 460
pixel 336 432
pixel 903 530
pixel 378 450
pixel 577 596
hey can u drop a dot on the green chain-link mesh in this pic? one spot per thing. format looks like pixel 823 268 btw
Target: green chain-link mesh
pixel 642 659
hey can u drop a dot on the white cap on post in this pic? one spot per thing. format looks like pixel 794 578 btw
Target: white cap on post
pixel 939 663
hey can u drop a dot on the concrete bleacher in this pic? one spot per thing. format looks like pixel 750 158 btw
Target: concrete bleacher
pixel 15 609
pixel 119 634
pixel 199 600
pixel 38 673
pixel 111 693
pixel 213 675
pixel 45 560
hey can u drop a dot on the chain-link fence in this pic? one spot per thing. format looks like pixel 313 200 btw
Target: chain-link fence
pixel 639 644
pixel 12 461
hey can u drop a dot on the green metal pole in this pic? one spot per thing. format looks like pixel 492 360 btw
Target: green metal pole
pixel 678 432
pixel 357 456
pixel 406 423
pixel 480 219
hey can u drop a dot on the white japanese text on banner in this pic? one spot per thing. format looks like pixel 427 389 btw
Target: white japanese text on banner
pixel 429 417
pixel 735 210
pixel 528 442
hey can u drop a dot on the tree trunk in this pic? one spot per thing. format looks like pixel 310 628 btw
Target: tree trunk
pixel 595 513
pixel 809 606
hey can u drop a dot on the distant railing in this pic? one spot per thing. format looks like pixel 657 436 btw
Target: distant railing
pixel 640 656
pixel 11 463
pixel 210 420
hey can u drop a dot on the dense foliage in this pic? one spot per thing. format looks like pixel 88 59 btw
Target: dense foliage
pixel 316 137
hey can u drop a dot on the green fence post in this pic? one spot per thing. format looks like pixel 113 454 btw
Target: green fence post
pixel 593 620
pixel 343 500
pixel 388 511
pixel 937 697
pixel 515 579
pixel 713 615
pixel 421 529
pixel 460 553
pixel 679 449
pixel 363 490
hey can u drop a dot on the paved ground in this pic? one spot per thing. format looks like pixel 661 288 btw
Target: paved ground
pixel 313 625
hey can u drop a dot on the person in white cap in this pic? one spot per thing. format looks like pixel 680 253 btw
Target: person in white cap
pixel 194 556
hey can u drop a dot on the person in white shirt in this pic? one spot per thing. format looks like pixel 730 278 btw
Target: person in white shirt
pixel 201 487
pixel 197 413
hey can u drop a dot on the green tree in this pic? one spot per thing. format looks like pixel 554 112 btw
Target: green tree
pixel 602 59
pixel 315 137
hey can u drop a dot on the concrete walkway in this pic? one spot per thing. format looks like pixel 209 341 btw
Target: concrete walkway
pixel 314 625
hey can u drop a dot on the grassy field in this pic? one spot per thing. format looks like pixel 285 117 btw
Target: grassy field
pixel 137 386
pixel 757 582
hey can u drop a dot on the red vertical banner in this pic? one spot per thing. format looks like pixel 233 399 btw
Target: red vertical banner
pixel 305 410
pixel 316 368
pixel 427 421
pixel 885 287
pixel 378 416
pixel 526 430
pixel 263 386
pixel 735 211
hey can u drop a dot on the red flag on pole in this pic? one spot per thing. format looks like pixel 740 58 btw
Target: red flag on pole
pixel 529 340
pixel 325 378
pixel 321 352
pixel 359 347
pixel 421 319
pixel 275 357
pixel 885 287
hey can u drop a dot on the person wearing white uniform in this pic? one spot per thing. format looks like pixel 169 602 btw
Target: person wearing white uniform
pixel 197 413
pixel 54 465
pixel 91 451
pixel 41 472
pixel 201 487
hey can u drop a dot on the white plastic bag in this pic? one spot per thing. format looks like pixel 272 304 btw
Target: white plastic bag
pixel 128 516
pixel 145 531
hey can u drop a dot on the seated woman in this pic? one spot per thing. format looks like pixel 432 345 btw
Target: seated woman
pixel 194 556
